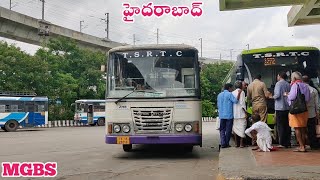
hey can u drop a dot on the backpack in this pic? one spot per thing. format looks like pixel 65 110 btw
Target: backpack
pixel 298 105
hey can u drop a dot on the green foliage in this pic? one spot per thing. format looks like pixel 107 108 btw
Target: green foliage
pixel 61 70
pixel 212 76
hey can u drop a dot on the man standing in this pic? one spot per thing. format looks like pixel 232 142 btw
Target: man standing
pixel 257 95
pixel 239 115
pixel 313 114
pixel 282 110
pixel 225 109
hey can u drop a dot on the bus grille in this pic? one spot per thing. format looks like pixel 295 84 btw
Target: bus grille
pixel 152 119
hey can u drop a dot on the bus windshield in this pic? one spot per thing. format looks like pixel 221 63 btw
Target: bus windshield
pixel 153 73
pixel 268 65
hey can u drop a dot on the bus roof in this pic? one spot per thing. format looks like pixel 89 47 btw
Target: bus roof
pixel 279 48
pixel 90 100
pixel 10 98
pixel 152 47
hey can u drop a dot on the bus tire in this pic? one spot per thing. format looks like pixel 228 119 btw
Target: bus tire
pixel 127 147
pixel 11 126
pixel 100 122
pixel 188 148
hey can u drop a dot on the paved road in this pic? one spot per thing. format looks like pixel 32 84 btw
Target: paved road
pixel 82 154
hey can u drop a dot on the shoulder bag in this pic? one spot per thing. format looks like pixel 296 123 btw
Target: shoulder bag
pixel 298 105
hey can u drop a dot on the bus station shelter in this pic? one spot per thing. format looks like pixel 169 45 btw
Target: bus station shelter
pixel 302 12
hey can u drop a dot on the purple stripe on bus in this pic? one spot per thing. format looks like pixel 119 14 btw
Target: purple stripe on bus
pixel 159 139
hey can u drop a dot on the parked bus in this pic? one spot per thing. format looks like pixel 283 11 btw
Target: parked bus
pixel 269 62
pixel 25 110
pixel 90 111
pixel 153 96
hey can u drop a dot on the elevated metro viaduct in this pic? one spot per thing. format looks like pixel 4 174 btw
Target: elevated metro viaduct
pixel 27 29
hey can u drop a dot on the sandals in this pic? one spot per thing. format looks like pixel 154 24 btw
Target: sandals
pixel 299 150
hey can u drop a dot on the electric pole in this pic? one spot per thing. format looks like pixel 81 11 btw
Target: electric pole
pixel 201 46
pixel 107 25
pixel 10 5
pixel 42 8
pixel 134 39
pixel 248 47
pixel 220 56
pixel 81 25
pixel 157 35
pixel 106 20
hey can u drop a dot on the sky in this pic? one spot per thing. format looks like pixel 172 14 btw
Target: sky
pixel 222 32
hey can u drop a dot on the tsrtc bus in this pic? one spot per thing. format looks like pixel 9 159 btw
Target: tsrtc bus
pixel 153 96
pixel 90 111
pixel 269 62
pixel 25 111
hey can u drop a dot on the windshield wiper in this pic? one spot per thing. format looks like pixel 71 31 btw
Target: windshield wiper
pixel 135 90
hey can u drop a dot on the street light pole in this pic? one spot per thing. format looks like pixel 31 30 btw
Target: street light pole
pixel 42 8
pixel 248 46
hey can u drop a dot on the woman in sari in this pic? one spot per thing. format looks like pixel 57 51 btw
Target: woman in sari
pixel 298 121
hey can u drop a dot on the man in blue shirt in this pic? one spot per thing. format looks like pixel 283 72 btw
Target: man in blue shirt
pixel 225 109
pixel 282 110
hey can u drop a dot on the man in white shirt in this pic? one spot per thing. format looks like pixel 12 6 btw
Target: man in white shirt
pixel 239 113
pixel 262 132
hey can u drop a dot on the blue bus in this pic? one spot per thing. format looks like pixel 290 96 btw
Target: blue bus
pixel 22 111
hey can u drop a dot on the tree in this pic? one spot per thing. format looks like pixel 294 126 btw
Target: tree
pixel 212 76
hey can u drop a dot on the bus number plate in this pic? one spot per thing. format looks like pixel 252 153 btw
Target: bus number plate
pixel 123 140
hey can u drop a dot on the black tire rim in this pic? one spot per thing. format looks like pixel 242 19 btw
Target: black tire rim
pixel 12 125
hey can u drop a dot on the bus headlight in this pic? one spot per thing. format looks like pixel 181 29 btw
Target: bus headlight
pixel 188 127
pixel 126 128
pixel 179 127
pixel 116 128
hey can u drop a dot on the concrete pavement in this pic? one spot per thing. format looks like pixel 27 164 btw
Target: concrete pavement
pixel 82 154
pixel 284 164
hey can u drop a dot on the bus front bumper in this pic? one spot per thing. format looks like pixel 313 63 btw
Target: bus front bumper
pixel 157 139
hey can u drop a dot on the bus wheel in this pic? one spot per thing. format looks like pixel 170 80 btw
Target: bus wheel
pixel 188 148
pixel 11 126
pixel 100 122
pixel 127 147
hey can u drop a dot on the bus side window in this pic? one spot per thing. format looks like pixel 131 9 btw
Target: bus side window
pixel 2 108
pixel 30 107
pixel 14 108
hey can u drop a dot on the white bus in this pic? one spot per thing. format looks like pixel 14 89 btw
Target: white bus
pixel 90 111
pixel 153 96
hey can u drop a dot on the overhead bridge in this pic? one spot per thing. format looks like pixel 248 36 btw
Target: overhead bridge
pixel 30 30
pixel 303 12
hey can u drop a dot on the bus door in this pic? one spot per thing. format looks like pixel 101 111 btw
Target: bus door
pixel 90 114
pixel 30 108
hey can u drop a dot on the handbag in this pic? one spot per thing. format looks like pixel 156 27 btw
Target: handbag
pixel 298 105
